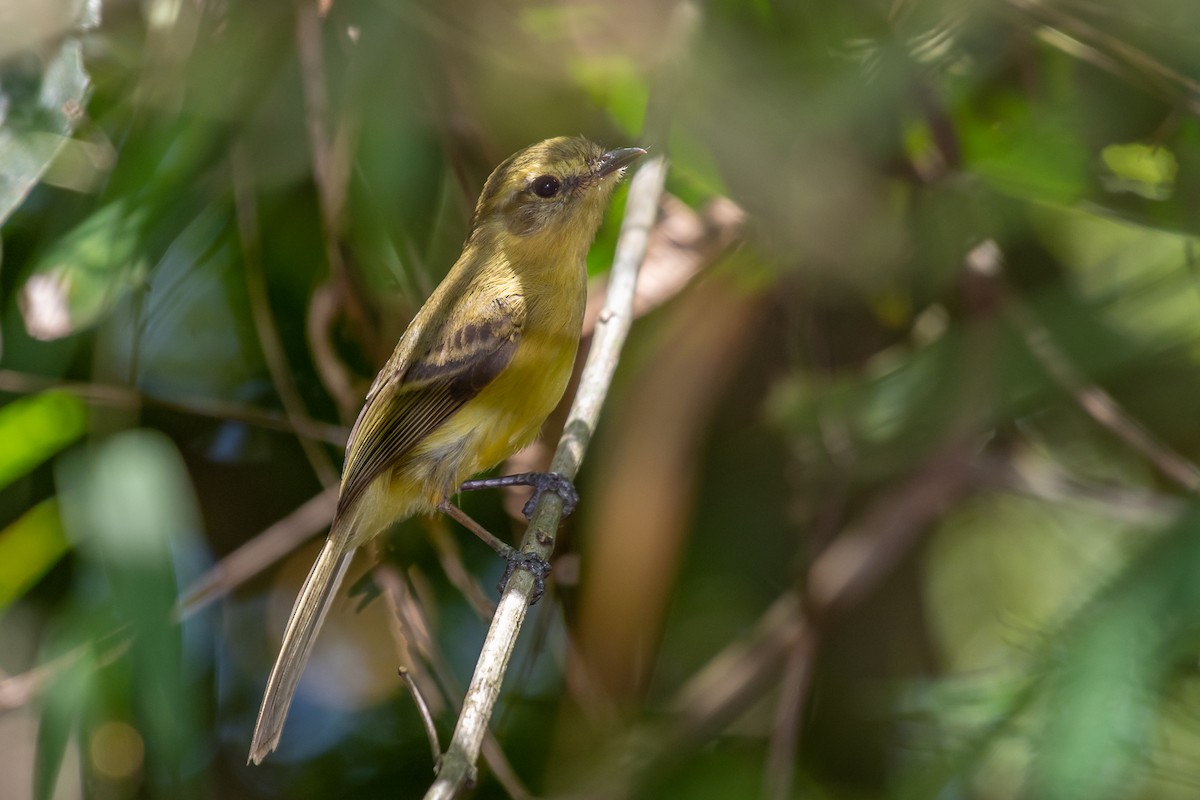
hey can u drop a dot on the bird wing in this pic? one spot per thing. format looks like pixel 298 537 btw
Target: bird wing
pixel 407 405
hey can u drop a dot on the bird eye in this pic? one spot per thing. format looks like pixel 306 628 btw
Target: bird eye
pixel 546 186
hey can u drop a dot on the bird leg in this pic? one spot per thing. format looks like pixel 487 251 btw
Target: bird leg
pixel 462 518
pixel 541 482
pixel 514 559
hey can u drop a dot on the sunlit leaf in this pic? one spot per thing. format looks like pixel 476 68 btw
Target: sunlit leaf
pixel 1141 169
pixel 29 547
pixel 126 501
pixel 694 176
pixel 1002 571
pixel 35 428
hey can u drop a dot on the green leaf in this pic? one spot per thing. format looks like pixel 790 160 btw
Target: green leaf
pixel 72 668
pixel 1139 168
pixel 35 428
pixel 1115 666
pixel 128 504
pixel 1026 150
pixel 616 85
pixel 1143 274
pixel 29 547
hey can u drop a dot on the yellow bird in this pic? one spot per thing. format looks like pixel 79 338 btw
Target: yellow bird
pixel 472 379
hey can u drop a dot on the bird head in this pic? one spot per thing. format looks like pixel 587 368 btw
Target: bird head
pixel 557 188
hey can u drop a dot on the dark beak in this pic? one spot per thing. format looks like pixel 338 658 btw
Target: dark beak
pixel 614 160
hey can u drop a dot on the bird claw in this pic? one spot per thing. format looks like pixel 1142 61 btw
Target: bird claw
pixel 532 563
pixel 543 482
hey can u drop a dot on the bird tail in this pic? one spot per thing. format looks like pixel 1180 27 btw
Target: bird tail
pixel 303 624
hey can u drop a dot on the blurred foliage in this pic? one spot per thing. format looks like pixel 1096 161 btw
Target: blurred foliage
pixel 971 234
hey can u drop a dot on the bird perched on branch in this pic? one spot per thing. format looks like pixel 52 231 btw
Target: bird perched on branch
pixel 472 379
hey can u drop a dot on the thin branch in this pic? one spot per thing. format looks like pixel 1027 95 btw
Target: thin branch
pixel 1043 479
pixel 732 679
pixel 841 576
pixel 330 190
pixel 450 557
pixel 785 738
pixel 331 160
pixel 867 551
pixel 414 628
pixel 410 629
pixel 502 769
pixel 458 764
pixel 423 710
pixel 1098 404
pixel 1077 37
pixel 17 690
pixel 246 210
pixel 102 394
pixel 260 552
pixel 335 375
pixel 988 260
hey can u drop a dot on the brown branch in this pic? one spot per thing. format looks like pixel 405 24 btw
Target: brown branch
pixel 335 376
pixel 265 549
pixel 1099 404
pixel 741 672
pixel 988 260
pixel 331 162
pixel 1046 480
pixel 18 690
pixel 787 635
pixel 1085 41
pixel 785 735
pixel 414 628
pixel 116 396
pixel 450 557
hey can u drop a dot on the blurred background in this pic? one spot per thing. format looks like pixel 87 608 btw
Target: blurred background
pixel 895 491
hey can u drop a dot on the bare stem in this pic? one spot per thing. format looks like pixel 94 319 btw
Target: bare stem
pixel 423 709
pixel 266 548
pixel 246 209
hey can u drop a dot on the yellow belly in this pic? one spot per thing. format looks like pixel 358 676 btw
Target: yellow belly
pixel 500 420
pixel 506 415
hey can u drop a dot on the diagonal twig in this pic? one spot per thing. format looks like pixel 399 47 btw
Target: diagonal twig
pixel 1101 406
pixel 260 552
